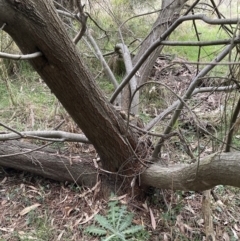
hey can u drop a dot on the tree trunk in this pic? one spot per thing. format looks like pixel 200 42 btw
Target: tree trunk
pixel 35 26
pixel 213 170
pixel 169 13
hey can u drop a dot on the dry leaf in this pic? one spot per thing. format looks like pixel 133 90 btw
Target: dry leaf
pixel 235 234
pixel 89 218
pixel 4 202
pixel 63 200
pixel 9 230
pixel 236 228
pixel 68 211
pixel 188 208
pixel 4 180
pixel 29 209
pixel 78 221
pixel 60 235
pixel 145 206
pixel 165 238
pixel 226 237
pixel 153 221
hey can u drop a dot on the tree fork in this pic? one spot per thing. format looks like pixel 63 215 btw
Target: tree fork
pixel 35 26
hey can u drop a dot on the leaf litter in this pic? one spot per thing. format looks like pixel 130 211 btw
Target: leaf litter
pixel 35 208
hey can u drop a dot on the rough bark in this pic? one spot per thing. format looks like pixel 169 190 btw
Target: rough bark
pixel 215 169
pixel 48 163
pixel 35 26
pixel 169 13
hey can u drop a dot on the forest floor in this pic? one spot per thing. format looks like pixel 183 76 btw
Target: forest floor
pixel 35 208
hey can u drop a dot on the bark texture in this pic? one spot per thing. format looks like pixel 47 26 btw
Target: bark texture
pixel 169 13
pixel 35 26
pixel 215 169
pixel 48 163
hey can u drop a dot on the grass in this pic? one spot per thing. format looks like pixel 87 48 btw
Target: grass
pixel 186 32
pixel 32 100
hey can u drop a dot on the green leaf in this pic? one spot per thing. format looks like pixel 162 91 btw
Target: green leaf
pixel 96 231
pixel 117 225
pixel 126 222
pixel 109 238
pixel 121 216
pixel 104 223
pixel 133 229
pixel 113 212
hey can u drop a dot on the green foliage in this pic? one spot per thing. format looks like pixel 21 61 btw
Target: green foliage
pixel 117 225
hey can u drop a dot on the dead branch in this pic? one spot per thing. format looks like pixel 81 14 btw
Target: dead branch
pixel 56 136
pixel 163 37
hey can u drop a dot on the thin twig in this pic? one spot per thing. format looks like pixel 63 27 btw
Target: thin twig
pixel 82 18
pixel 11 129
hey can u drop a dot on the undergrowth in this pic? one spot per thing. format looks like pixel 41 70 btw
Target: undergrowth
pixel 117 225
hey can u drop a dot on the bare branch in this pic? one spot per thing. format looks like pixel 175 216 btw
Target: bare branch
pixel 133 82
pixel 206 63
pixel 19 56
pixel 163 37
pixel 82 18
pixel 67 14
pixel 171 108
pixel 200 43
pixel 107 70
pixel 188 94
pixel 3 26
pixel 214 89
pixel 56 136
pixel 11 129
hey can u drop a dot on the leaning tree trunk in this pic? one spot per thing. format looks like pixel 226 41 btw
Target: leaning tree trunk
pixel 169 13
pixel 35 26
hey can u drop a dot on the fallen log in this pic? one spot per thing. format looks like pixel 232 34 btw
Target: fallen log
pixel 212 170
pixel 47 162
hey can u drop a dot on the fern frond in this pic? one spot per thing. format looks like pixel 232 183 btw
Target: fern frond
pixel 104 222
pixel 126 222
pixel 113 212
pixel 116 226
pixel 96 231
pixel 122 217
pixel 132 230
pixel 112 237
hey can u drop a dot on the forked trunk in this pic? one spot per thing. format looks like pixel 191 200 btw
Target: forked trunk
pixel 35 26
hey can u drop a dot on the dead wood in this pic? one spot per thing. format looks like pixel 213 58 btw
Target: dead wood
pixel 47 162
